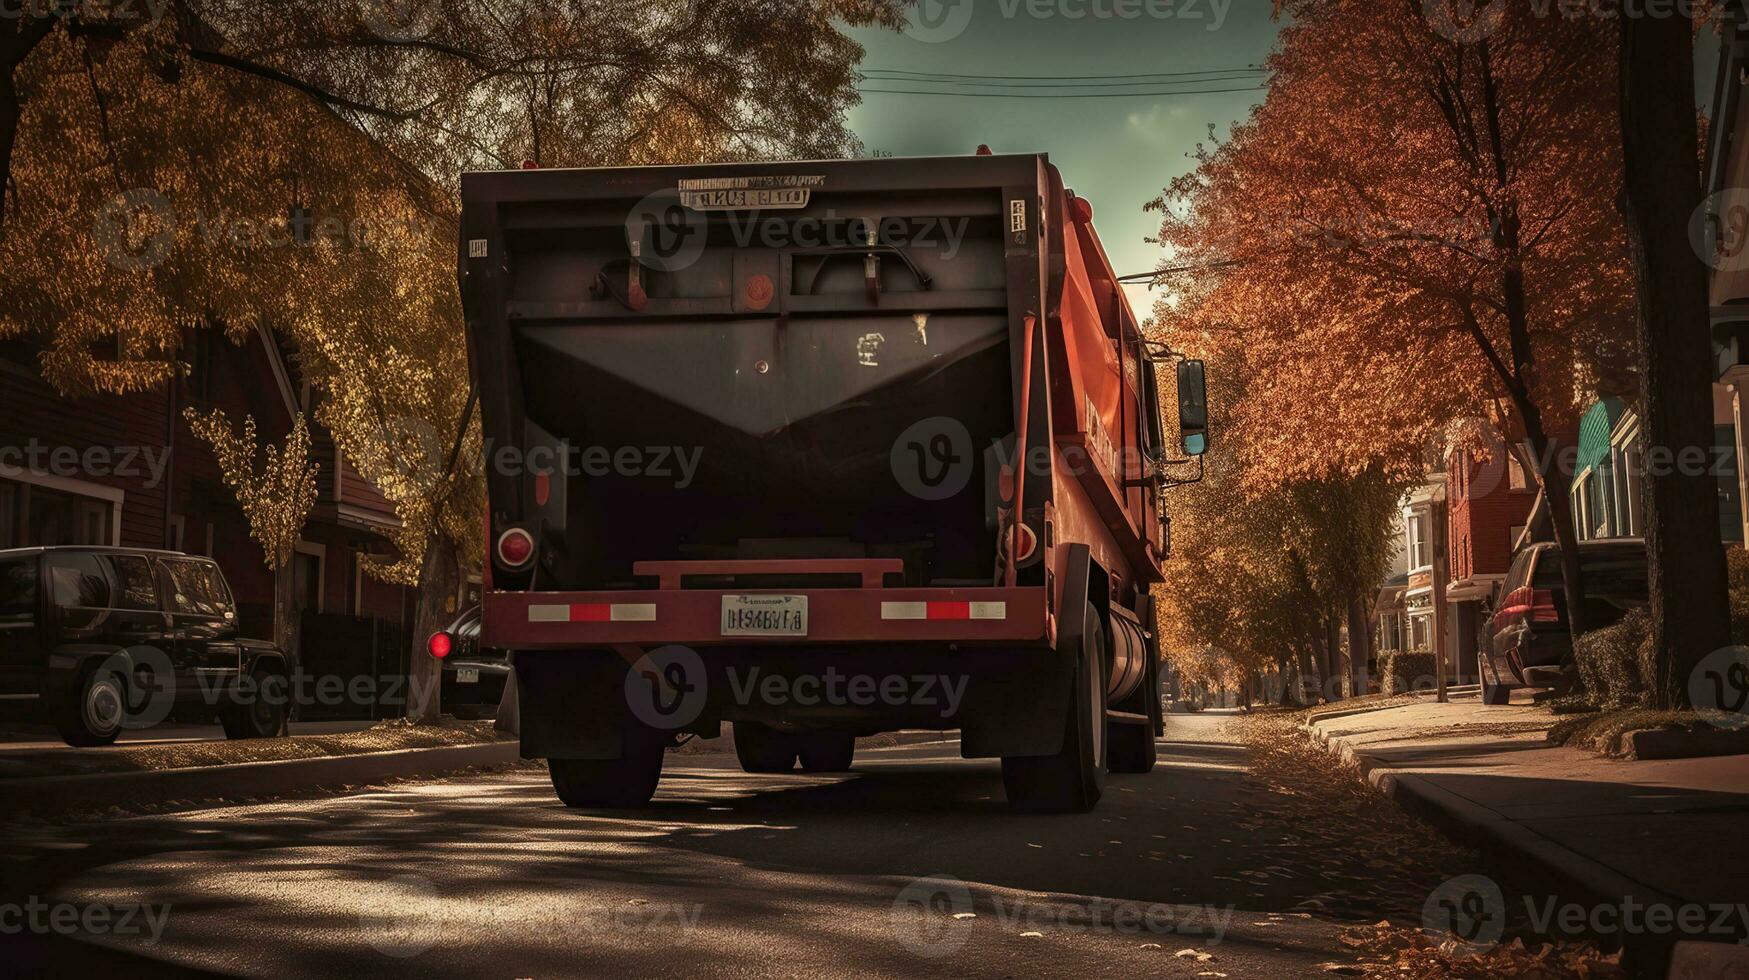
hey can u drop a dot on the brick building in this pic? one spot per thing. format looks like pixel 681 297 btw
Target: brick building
pixel 1489 498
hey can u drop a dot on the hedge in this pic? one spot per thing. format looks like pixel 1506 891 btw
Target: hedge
pixel 1402 671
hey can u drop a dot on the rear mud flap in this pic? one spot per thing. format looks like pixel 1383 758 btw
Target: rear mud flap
pixel 571 704
pixel 1023 709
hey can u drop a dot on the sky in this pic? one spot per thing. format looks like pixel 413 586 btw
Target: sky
pixel 1118 152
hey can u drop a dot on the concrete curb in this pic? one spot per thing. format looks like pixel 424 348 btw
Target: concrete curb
pixel 229 783
pixel 1509 849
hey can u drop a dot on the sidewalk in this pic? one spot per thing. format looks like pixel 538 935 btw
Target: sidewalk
pixel 1661 831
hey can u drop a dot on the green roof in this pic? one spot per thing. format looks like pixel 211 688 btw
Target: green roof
pixel 1594 432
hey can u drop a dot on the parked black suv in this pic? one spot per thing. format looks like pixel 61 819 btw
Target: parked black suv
pixel 1530 643
pixel 102 638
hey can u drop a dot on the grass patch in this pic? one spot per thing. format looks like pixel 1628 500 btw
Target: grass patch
pixel 1604 733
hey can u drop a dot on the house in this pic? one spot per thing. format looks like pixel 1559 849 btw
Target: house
pixel 1610 470
pixel 1489 497
pixel 127 470
pixel 1726 243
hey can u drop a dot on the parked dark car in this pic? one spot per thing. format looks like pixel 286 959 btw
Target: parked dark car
pixel 473 677
pixel 1530 645
pixel 105 638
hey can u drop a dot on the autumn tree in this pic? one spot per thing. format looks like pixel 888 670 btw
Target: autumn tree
pixel 293 164
pixel 276 487
pixel 1417 224
pixel 1265 571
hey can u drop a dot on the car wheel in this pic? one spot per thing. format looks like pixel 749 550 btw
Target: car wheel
pixel 265 715
pixel 827 752
pixel 96 712
pixel 1072 780
pixel 763 749
pixel 627 781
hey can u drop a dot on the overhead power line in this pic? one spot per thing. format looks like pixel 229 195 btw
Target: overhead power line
pixel 1063 78
pixel 1065 95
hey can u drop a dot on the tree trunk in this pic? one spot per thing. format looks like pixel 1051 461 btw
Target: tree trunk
pixel 1359 645
pixel 1557 493
pixel 439 581
pixel 1333 669
pixel 285 619
pixel 1690 611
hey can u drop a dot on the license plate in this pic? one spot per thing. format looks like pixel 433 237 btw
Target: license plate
pixel 467 675
pixel 765 615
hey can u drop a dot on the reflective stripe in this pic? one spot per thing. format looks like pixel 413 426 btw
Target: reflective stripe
pixel 944 610
pixel 593 612
pixel 549 614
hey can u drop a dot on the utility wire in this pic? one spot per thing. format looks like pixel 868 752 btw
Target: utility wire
pixel 1063 78
pixel 1049 95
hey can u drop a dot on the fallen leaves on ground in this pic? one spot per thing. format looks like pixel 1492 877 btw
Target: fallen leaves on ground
pixel 1391 951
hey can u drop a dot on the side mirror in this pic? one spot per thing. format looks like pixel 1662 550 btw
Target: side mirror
pixel 1193 407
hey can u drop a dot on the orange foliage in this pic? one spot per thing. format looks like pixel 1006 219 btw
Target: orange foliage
pixel 1409 231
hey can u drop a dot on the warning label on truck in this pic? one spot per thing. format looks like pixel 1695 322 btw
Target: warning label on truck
pixel 749 193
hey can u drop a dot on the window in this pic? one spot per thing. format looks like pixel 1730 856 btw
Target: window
pixel 78 581
pixel 34 514
pixel 1420 633
pixel 197 588
pixel 1516 478
pixel 18 591
pixel 79 588
pixel 1420 543
pixel 134 586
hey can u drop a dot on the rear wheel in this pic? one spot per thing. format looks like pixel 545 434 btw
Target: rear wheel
pixel 827 752
pixel 763 749
pixel 627 781
pixel 1072 780
pixel 94 714
pixel 265 714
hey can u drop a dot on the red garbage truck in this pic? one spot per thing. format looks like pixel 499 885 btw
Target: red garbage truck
pixel 820 449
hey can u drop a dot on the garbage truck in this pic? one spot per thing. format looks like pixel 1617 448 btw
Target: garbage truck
pixel 815 450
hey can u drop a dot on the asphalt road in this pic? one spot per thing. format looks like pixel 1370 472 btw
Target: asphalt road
pixel 910 865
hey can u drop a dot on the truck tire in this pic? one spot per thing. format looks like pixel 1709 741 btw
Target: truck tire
pixel 827 751
pixel 263 716
pixel 1072 780
pixel 763 749
pixel 627 781
pixel 93 714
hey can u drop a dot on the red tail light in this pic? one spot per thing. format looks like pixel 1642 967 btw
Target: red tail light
pixel 1527 604
pixel 439 644
pixel 515 548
